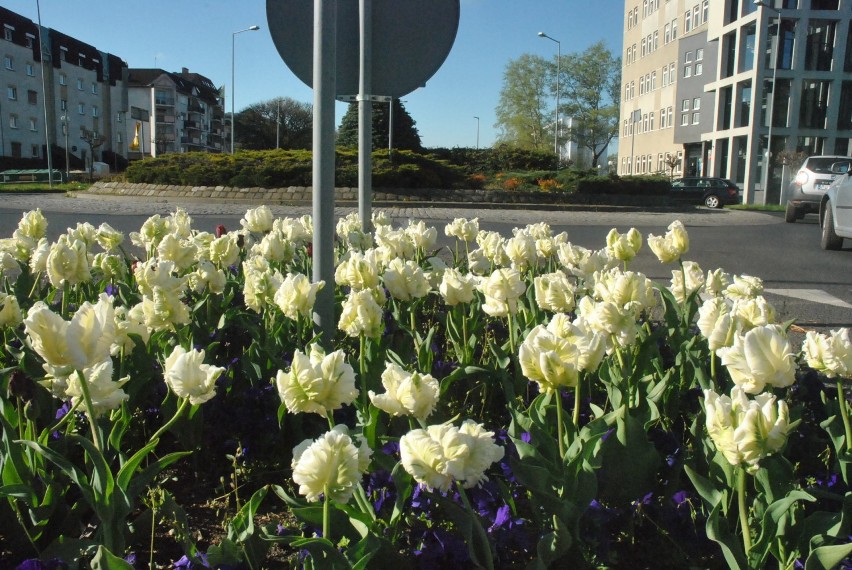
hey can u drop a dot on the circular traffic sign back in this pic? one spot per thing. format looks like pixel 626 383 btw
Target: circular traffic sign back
pixel 410 41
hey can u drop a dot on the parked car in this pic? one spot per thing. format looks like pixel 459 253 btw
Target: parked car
pixel 835 208
pixel 805 192
pixel 712 192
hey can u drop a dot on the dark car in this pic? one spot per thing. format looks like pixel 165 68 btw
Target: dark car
pixel 712 192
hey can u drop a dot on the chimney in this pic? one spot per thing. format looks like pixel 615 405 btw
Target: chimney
pixel 184 71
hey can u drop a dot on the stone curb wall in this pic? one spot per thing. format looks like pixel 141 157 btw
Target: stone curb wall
pixel 303 195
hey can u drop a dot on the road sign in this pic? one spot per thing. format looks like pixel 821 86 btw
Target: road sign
pixel 410 41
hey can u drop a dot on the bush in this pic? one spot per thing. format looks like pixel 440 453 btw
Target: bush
pixel 497 159
pixel 632 186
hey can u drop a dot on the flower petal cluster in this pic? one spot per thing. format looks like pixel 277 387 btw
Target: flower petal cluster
pixel 10 312
pixel 695 281
pixel 463 229
pixel 616 323
pixel 554 355
pixel 358 271
pixel 80 343
pixel 257 220
pixel 673 245
pixel 405 280
pixel 630 291
pixel 750 312
pixel 521 251
pixel 68 262
pixel 744 287
pixel 188 376
pixel 762 356
pixel 554 292
pixel 296 296
pixel 317 382
pixel 406 393
pixel 830 354
pixel 440 454
pixel 744 430
pixel 502 289
pixel 623 247
pixel 331 465
pixel 456 288
pixel 361 314
pixel 105 393
pixel 716 323
pixel 422 236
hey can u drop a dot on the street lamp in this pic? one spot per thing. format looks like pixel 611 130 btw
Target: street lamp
pixel 477 132
pixel 770 106
pixel 233 76
pixel 65 125
pixel 41 57
pixel 556 149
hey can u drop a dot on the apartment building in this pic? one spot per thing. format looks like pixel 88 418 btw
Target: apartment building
pixel 84 88
pixel 103 109
pixel 739 63
pixel 173 112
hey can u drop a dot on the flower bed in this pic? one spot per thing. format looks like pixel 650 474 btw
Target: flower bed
pixel 506 402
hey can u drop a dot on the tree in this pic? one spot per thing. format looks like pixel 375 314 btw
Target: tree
pixel 522 111
pixel 405 135
pixel 590 84
pixel 256 125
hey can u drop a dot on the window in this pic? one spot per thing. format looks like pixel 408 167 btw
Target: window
pixel 699 54
pixel 30 69
pixel 696 118
pixel 687 71
pixel 13 121
pixel 63 79
pixel 667 34
pixel 684 105
pixel 81 108
pixel 669 116
pixel 672 72
pixel 695 17
pixel 645 123
pixel 7 33
pixel 699 68
pixel 8 63
pixel 94 88
pixel 12 93
pixel 79 84
pixel 643 47
pixel 651 120
pixel 118 117
pixel 94 110
pixel 665 75
pixel 662 118
pixel 32 97
pixel 674 29
pixel 33 124
pixel 653 80
pixel 687 21
pixel 705 10
pixel 696 104
pixel 118 137
pixel 16 150
pixel 34 150
pixel 656 40
pixel 63 104
pixel 30 41
pixel 687 57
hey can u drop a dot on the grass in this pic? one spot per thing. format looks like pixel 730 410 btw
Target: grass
pixel 20 187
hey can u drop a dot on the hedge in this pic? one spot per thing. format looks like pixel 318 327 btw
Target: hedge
pixel 630 186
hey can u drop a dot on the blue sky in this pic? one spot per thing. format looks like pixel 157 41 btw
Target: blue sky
pixel 172 34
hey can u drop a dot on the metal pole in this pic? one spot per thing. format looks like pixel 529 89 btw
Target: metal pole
pixel 64 119
pixel 44 100
pixel 365 115
pixel 233 77
pixel 477 132
pixel 390 130
pixel 278 126
pixel 324 74
pixel 770 108
pixel 556 150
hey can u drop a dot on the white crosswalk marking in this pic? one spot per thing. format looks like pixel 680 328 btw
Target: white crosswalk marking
pixel 813 295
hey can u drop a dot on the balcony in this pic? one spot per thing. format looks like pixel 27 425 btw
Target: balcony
pixel 168 119
pixel 192 125
pixel 164 102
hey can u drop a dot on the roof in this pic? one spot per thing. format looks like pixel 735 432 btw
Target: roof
pixel 185 82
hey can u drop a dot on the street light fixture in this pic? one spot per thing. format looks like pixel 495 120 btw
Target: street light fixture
pixel 477 132
pixel 770 106
pixel 233 76
pixel 41 56
pixel 556 149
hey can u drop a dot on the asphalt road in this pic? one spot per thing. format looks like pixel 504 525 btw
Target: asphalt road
pixel 803 282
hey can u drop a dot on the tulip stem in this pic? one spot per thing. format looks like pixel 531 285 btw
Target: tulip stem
pixel 741 500
pixel 577 393
pixel 463 310
pixel 713 366
pixel 90 410
pixel 560 425
pixel 362 369
pixel 59 423
pixel 511 334
pixel 844 413
pixel 165 427
pixel 326 514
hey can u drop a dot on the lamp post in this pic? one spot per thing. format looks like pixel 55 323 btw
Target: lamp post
pixel 233 76
pixel 770 106
pixel 44 100
pixel 477 132
pixel 556 149
pixel 64 119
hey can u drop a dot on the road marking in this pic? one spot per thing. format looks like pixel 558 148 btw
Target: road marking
pixel 813 295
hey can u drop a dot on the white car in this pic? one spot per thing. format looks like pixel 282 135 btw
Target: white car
pixel 835 209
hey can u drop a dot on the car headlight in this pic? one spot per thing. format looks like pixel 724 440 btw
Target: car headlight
pixel 801 177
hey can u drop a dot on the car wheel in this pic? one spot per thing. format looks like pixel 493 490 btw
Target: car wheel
pixel 829 239
pixel 791 213
pixel 712 201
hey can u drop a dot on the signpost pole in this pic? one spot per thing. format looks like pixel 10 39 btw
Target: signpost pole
pixel 365 116
pixel 324 73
